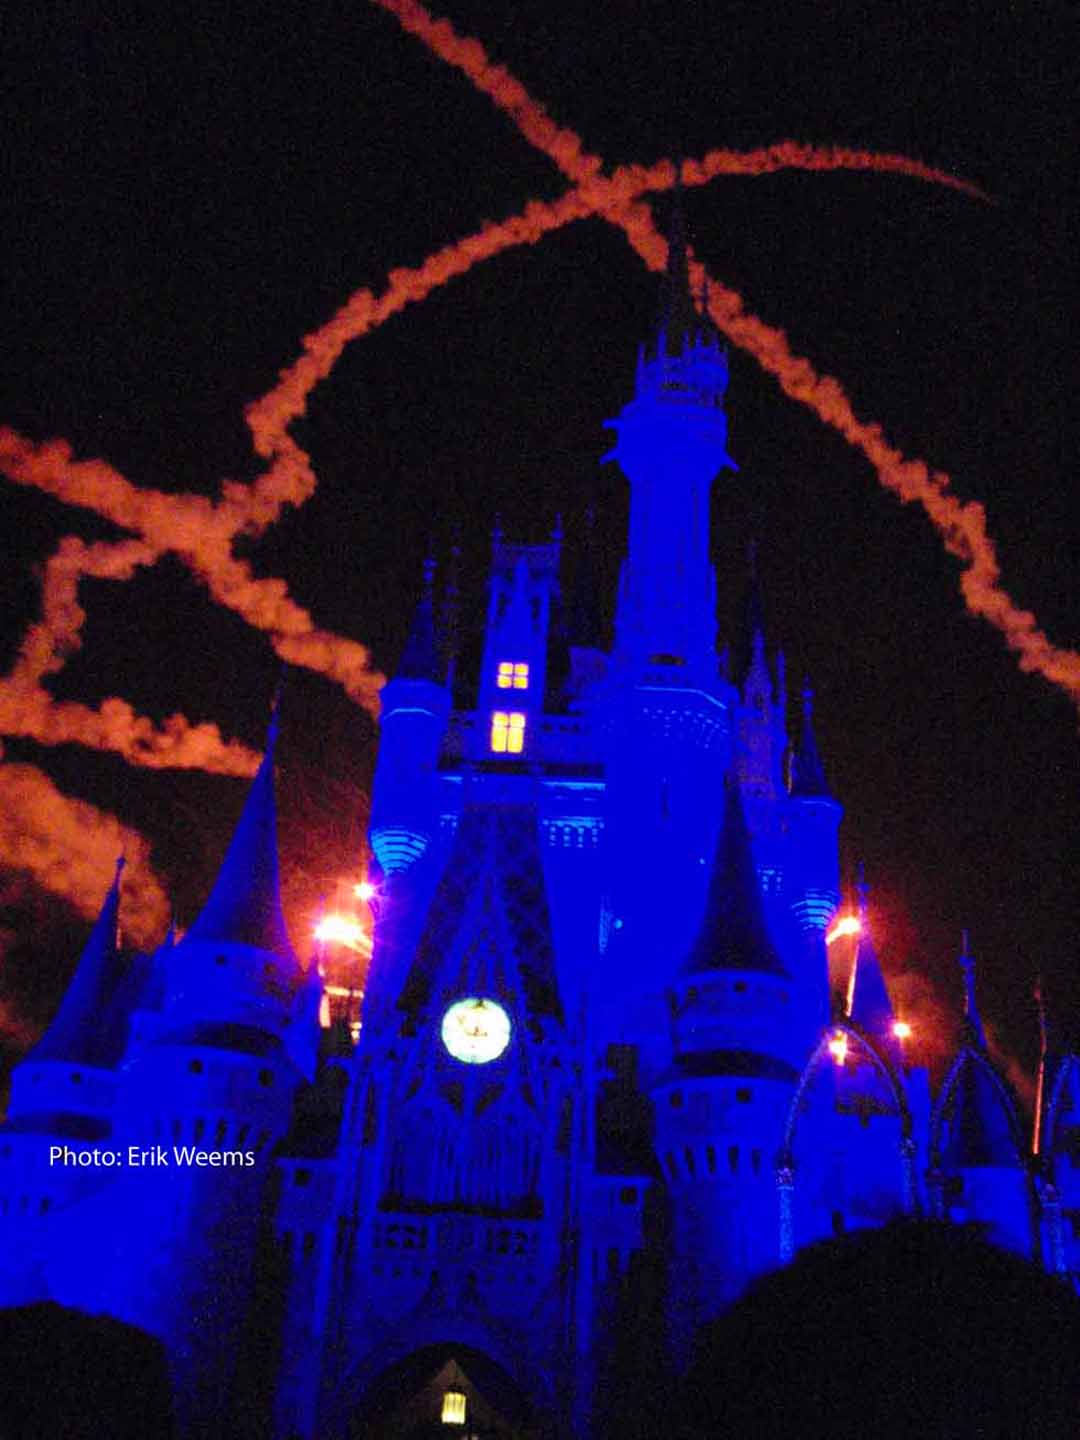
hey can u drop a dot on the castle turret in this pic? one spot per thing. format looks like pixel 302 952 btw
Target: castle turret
pixel 738 1043
pixel 813 822
pixel 62 1099
pixel 415 709
pixel 976 1148
pixel 671 444
pixel 868 1005
pixel 205 1095
pixel 513 670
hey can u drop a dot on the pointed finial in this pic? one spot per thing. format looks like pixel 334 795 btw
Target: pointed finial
pixel 862 893
pixel 972 1019
pixel 429 576
pixel 274 724
pixel 557 532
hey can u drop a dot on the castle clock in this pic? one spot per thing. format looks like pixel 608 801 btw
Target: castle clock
pixel 476 1030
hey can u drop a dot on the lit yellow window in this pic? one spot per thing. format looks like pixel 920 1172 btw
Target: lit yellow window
pixel 453 1408
pixel 507 732
pixel 512 675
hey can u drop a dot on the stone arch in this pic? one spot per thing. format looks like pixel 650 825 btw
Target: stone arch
pixel 882 1185
pixel 969 1056
pixel 415 1351
pixel 881 1065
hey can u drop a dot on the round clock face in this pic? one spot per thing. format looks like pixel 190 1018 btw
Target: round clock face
pixel 476 1030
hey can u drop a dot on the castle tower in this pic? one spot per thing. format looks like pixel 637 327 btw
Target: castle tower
pixel 62 1099
pixel 812 876
pixel 671 443
pixel 406 799
pixel 206 1092
pixel 415 708
pixel 668 713
pixel 513 671
pixel 464 1124
pixel 976 1149
pixel 739 1041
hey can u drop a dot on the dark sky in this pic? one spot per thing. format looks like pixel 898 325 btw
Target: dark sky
pixel 188 190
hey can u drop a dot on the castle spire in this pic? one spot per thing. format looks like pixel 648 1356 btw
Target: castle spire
pixel 679 323
pixel 420 658
pixel 671 445
pixel 807 776
pixel 245 903
pixel 868 1003
pixel 77 1033
pixel 758 682
pixel 973 1026
pixel 733 934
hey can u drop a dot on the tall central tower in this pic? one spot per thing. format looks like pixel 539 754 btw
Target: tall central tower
pixel 671 444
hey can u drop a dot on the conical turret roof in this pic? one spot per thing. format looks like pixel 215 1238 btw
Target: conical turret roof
pixel 868 1002
pixel 977 1123
pixel 84 1031
pixel 974 1034
pixel 733 934
pixel 807 779
pixel 245 904
pixel 420 660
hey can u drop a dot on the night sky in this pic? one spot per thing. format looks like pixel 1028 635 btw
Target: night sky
pixel 189 190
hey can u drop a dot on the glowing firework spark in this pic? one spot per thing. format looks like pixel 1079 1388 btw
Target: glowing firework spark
pixel 338 929
pixel 202 532
pixel 849 925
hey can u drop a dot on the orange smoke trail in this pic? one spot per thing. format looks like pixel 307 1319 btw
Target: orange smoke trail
pixel 70 848
pixel 27 709
pixel 201 534
pixel 563 146
pixel 961 525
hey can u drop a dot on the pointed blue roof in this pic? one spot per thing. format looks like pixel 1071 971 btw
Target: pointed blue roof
pixel 978 1123
pixel 977 1119
pixel 868 1002
pixel 495 866
pixel 973 1026
pixel 245 903
pixel 807 777
pixel 420 660
pixel 733 934
pixel 87 1030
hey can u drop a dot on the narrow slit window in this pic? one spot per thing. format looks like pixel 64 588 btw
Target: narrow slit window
pixel 512 675
pixel 508 732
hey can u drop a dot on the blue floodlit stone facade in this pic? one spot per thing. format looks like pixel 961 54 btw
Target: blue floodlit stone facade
pixel 619 849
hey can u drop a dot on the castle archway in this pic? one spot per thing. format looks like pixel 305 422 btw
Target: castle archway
pixel 446 1389
pixel 847 1144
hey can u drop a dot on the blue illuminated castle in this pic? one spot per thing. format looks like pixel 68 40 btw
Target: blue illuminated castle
pixel 566 1098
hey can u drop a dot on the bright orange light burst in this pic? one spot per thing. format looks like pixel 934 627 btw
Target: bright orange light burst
pixel 849 925
pixel 902 1030
pixel 838 1047
pixel 364 891
pixel 336 929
